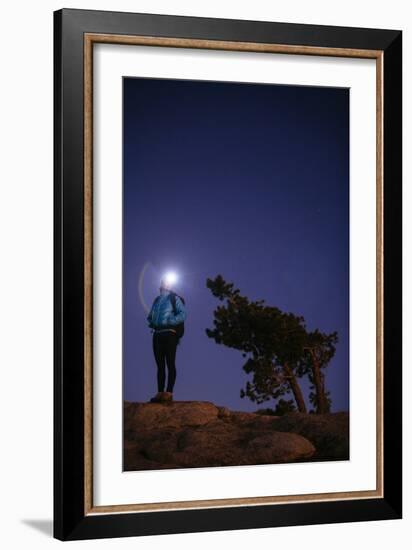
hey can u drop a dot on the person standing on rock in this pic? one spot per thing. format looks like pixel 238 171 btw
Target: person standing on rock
pixel 166 319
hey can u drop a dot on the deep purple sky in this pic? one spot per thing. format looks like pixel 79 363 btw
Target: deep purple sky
pixel 247 180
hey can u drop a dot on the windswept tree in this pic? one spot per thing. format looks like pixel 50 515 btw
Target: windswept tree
pixel 277 347
pixel 270 340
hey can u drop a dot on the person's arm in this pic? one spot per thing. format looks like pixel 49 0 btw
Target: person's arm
pixel 150 317
pixel 180 313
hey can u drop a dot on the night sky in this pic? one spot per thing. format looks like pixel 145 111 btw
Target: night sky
pixel 250 181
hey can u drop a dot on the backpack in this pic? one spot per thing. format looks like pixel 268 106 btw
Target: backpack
pixel 180 328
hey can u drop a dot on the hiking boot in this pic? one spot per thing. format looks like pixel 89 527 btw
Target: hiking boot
pixel 162 397
pixel 157 398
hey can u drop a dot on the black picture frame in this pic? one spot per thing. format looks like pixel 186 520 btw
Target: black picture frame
pixel 71 522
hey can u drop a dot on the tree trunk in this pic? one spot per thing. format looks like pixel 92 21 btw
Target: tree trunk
pixel 294 386
pixel 321 407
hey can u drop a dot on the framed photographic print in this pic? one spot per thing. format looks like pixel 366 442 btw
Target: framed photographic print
pixel 228 274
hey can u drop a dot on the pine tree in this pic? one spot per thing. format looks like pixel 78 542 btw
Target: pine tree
pixel 276 346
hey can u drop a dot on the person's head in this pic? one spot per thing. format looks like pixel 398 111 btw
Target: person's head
pixel 167 282
pixel 164 286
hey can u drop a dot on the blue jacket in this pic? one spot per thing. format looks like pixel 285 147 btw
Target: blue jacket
pixel 162 315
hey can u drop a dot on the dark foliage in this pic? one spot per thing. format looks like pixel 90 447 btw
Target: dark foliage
pixel 276 346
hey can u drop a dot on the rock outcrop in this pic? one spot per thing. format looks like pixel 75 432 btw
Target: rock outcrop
pixel 190 434
pixel 329 433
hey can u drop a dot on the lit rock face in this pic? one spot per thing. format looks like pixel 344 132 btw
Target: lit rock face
pixel 190 434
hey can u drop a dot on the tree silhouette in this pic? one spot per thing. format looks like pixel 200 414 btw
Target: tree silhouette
pixel 271 341
pixel 319 349
pixel 277 347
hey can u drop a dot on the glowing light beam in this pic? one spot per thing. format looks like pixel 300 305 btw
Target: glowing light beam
pixel 169 278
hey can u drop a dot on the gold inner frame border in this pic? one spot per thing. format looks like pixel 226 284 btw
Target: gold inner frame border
pixel 89 40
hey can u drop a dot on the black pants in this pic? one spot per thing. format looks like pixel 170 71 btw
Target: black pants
pixel 164 349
